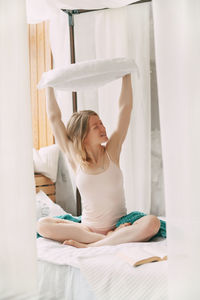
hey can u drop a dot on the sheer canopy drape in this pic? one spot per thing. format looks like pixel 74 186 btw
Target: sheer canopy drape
pixel 17 222
pixel 177 41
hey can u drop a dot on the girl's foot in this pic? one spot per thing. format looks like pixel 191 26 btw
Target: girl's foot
pixel 75 244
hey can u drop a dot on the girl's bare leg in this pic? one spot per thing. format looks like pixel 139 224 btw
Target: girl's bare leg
pixel 61 230
pixel 141 231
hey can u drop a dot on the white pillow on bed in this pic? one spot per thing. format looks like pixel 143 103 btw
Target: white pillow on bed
pixel 46 207
pixel 88 74
pixel 46 161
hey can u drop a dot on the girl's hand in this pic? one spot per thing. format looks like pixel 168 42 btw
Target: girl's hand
pixel 122 226
pixel 118 228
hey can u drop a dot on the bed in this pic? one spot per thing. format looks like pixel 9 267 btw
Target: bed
pixel 65 272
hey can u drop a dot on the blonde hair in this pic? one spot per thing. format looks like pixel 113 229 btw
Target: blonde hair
pixel 77 129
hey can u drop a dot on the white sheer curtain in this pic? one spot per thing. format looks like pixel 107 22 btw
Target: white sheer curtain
pixel 114 33
pixel 17 222
pixel 177 41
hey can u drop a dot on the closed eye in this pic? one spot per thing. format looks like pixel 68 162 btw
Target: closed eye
pixel 101 123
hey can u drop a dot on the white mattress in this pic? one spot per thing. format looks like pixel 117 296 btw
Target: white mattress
pixel 98 273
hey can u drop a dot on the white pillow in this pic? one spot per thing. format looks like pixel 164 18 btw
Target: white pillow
pixel 46 207
pixel 46 161
pixel 88 74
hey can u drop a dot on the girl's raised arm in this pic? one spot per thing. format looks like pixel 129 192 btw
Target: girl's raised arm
pixel 125 109
pixel 54 116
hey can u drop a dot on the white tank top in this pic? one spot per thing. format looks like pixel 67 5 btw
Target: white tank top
pixel 103 201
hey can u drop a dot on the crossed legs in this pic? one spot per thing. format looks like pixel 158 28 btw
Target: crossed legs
pixel 78 235
pixel 61 230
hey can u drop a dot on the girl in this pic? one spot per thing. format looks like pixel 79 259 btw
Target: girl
pixel 98 178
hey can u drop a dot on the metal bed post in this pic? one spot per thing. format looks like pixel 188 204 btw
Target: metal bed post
pixel 74 94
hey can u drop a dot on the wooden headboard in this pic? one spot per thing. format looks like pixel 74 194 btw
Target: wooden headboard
pixel 46 185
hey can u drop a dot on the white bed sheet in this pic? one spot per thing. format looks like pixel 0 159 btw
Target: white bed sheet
pixel 102 274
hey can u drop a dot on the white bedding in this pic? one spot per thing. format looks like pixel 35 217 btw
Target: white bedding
pixel 108 276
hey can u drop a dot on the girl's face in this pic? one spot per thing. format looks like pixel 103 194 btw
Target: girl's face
pixel 96 132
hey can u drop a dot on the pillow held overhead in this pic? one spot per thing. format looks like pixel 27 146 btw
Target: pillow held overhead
pixel 88 74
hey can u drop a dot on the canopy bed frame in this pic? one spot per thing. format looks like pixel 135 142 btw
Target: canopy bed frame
pixel 88 271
